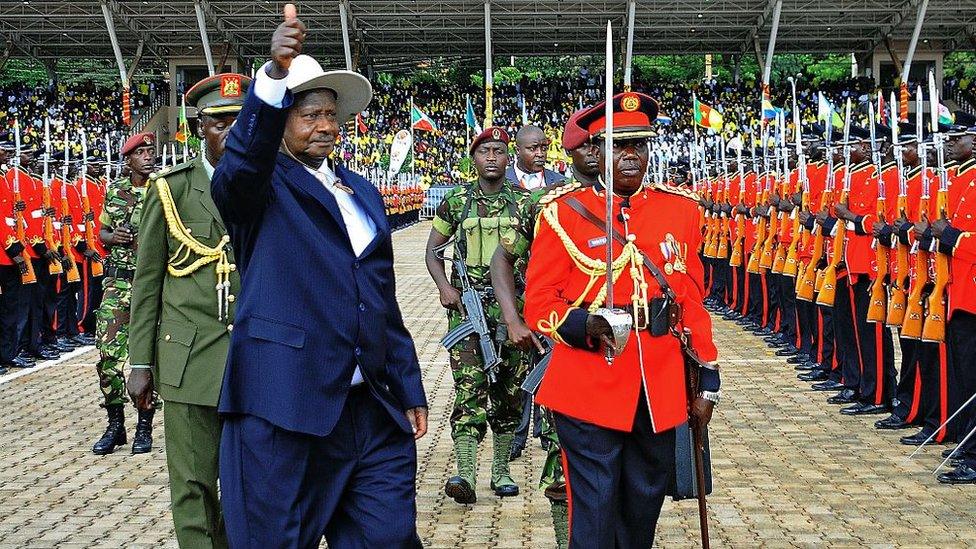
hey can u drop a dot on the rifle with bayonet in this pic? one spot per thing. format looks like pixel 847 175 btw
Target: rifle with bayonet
pixel 935 320
pixel 722 250
pixel 911 327
pixel 66 230
pixel 27 274
pixel 828 289
pixel 792 267
pixel 900 278
pixel 473 312
pixel 878 304
pixel 49 213
pixel 91 250
pixel 738 247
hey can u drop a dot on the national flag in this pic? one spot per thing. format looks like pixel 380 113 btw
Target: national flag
pixel 946 117
pixel 360 125
pixel 183 126
pixel 470 118
pixel 768 110
pixel 827 113
pixel 707 117
pixel 420 121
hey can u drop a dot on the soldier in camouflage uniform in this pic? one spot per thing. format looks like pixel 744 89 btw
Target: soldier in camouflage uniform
pixel 479 215
pixel 120 221
pixel 508 280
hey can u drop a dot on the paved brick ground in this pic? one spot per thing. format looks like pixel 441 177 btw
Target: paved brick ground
pixel 789 470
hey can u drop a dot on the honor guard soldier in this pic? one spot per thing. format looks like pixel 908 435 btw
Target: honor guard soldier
pixel 955 231
pixel 122 212
pixel 513 254
pixel 478 216
pixel 182 313
pixel 616 421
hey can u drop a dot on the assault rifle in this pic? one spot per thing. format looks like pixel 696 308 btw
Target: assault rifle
pixel 475 321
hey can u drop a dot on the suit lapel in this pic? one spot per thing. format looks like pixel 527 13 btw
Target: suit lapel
pixel 359 196
pixel 201 184
pixel 297 175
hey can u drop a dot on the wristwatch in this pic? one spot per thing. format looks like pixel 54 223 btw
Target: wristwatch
pixel 711 396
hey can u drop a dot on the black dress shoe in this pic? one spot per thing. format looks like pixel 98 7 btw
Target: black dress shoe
pixel 765 332
pixel 799 359
pixel 744 321
pixel 947 452
pixel 788 350
pixel 828 385
pixel 731 315
pixel 963 474
pixel 893 422
pixel 847 396
pixel 26 357
pixel 806 366
pixel 83 340
pixel 3 370
pixel 65 343
pixel 819 376
pixel 917 439
pixel 19 363
pixel 865 410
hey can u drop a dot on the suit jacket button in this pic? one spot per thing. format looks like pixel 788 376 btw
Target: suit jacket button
pixel 168 337
pixel 362 307
pixel 358 351
pixel 231 298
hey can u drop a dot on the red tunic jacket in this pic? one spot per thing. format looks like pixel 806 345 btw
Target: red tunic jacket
pixel 579 383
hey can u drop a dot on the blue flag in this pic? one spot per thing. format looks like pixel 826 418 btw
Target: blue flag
pixel 470 118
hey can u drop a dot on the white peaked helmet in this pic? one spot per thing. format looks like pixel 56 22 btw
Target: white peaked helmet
pixel 353 91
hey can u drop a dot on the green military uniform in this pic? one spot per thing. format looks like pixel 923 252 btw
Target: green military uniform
pixel 182 316
pixel 480 221
pixel 123 206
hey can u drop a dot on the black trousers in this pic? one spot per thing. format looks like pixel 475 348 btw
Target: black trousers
pixel 65 321
pixel 757 299
pixel 707 265
pixel 14 305
pixel 908 393
pixel 806 327
pixel 43 302
pixel 960 350
pixel 720 279
pixel 932 360
pixel 845 336
pixel 877 349
pixel 741 282
pixel 787 307
pixel 616 480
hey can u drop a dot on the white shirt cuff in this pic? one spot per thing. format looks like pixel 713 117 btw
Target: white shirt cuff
pixel 268 89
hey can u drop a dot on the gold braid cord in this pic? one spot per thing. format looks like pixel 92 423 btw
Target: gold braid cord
pixel 630 258
pixel 182 263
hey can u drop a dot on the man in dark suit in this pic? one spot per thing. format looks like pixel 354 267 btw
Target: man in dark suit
pixel 529 169
pixel 322 395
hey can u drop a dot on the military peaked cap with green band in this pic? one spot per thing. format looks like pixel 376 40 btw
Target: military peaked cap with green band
pixel 219 94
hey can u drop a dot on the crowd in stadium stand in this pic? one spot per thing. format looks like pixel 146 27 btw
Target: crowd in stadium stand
pixel 547 103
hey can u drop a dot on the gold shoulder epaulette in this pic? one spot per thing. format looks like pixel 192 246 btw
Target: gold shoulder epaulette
pixel 689 194
pixel 172 169
pixel 560 190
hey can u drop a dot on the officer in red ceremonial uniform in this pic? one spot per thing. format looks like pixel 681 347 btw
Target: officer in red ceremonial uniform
pixel 957 238
pixel 616 421
pixel 14 293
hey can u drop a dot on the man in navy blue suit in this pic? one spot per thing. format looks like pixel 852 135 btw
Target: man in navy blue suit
pixel 322 395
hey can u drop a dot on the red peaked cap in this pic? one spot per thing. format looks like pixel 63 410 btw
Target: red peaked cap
pixel 493 133
pixel 574 135
pixel 138 140
pixel 634 115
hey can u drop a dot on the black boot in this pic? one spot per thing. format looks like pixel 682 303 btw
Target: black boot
pixel 142 439
pixel 114 433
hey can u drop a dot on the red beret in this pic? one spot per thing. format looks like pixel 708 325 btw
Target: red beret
pixel 574 136
pixel 138 140
pixel 493 133
pixel 634 115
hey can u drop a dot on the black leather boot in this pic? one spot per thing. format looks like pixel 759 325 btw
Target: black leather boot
pixel 114 433
pixel 142 439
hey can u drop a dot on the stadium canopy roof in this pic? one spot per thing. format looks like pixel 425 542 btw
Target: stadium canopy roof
pixel 386 32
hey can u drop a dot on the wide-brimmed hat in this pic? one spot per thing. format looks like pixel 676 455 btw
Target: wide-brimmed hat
pixel 353 91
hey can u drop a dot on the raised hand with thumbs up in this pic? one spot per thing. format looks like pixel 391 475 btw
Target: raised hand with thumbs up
pixel 286 43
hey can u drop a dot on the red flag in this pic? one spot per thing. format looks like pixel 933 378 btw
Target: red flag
pixel 359 123
pixel 126 112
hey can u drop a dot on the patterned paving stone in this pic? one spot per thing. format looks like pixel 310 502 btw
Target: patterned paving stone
pixel 789 470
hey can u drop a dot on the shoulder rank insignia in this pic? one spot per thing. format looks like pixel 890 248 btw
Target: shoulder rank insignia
pixel 670 189
pixel 559 191
pixel 172 169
